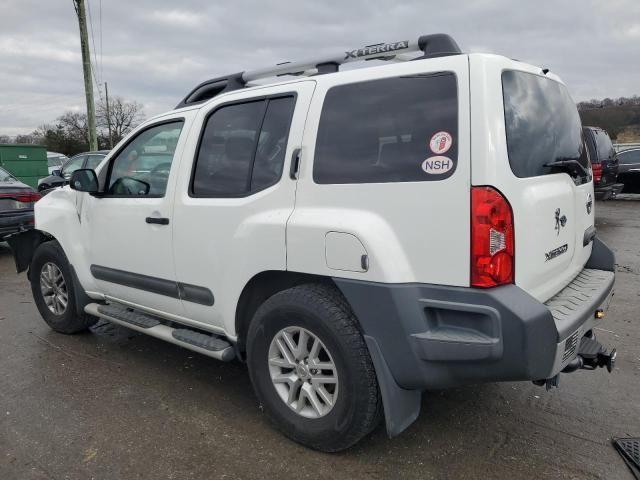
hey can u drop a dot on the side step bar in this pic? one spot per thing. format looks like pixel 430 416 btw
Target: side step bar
pixel 209 345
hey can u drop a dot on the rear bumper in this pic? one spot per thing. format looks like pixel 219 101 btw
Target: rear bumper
pixel 11 222
pixel 433 337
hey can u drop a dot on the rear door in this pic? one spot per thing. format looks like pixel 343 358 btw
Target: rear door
pixel 552 206
pixel 235 194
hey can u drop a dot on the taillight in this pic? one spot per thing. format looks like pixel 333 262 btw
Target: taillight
pixel 492 248
pixel 22 197
pixel 596 168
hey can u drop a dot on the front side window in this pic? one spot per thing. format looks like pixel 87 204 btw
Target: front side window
pixel 72 165
pixel 142 167
pixel 402 129
pixel 242 148
pixel 542 125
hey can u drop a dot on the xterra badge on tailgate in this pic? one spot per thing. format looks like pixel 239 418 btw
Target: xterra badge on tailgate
pixel 556 252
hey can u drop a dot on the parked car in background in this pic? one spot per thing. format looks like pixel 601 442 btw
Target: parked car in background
pixel 629 170
pixel 55 161
pixel 61 176
pixel 604 163
pixel 16 205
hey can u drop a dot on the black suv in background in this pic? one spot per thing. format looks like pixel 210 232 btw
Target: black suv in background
pixel 61 177
pixel 604 163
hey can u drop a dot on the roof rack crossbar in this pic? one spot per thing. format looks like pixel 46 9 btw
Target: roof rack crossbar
pixel 434 45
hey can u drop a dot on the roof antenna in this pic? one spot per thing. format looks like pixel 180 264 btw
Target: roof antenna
pixel 545 70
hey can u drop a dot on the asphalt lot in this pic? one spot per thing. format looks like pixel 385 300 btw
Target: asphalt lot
pixel 114 404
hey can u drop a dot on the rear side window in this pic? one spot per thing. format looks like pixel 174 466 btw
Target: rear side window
pixel 402 129
pixel 542 125
pixel 591 145
pixel 242 148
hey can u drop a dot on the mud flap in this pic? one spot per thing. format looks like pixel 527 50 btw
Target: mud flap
pixel 401 407
pixel 23 245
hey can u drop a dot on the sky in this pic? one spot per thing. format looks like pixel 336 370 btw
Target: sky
pixel 155 51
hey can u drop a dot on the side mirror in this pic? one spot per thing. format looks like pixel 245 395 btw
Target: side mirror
pixel 84 180
pixel 57 173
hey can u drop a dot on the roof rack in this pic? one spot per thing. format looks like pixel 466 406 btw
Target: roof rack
pixel 435 45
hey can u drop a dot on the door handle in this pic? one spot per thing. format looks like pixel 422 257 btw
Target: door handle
pixel 295 164
pixel 157 220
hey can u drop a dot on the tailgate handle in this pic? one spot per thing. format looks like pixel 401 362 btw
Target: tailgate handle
pixel 157 220
pixel 589 235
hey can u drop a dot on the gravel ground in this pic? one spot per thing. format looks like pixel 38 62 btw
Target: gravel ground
pixel 114 404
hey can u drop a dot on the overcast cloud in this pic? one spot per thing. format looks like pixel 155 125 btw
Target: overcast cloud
pixel 154 51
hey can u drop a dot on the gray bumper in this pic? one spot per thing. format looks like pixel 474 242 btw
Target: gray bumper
pixel 435 336
pixel 429 337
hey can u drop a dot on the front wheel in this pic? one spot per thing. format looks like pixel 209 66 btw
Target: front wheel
pixel 311 368
pixel 53 290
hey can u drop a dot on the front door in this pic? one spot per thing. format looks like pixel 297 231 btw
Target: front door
pixel 129 226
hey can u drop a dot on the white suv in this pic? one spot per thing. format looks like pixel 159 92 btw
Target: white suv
pixel 355 236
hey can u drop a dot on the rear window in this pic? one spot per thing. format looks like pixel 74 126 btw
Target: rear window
pixel 604 145
pixel 6 176
pixel 402 129
pixel 542 125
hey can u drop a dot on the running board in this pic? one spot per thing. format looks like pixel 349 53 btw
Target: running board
pixel 209 345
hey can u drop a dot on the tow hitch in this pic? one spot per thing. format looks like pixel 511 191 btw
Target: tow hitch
pixel 592 355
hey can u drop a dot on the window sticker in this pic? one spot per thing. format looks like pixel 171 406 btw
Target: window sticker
pixel 440 143
pixel 437 165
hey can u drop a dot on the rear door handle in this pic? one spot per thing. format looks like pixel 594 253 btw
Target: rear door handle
pixel 157 220
pixel 295 164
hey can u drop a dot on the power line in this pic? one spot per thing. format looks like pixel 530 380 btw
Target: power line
pixel 101 51
pixel 93 43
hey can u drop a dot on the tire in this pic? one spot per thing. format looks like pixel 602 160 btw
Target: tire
pixel 50 261
pixel 43 187
pixel 324 314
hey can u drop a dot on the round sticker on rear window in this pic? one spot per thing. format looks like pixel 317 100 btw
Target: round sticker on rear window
pixel 440 142
pixel 437 165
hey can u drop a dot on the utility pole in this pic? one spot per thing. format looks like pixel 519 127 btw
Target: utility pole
pixel 86 68
pixel 106 95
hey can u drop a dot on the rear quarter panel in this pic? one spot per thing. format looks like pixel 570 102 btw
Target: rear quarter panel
pixel 411 231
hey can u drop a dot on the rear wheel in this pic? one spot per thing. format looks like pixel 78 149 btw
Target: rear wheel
pixel 53 290
pixel 311 369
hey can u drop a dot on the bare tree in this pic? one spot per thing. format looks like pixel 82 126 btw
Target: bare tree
pixel 123 116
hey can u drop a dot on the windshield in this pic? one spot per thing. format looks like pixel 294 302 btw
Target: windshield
pixel 6 176
pixel 542 125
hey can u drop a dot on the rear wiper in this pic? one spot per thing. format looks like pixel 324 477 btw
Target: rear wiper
pixel 567 163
